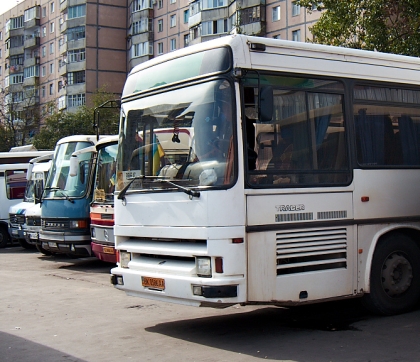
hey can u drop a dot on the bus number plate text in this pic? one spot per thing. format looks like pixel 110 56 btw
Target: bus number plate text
pixel 154 283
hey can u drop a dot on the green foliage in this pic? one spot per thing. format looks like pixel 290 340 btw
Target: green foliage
pixel 390 26
pixel 62 124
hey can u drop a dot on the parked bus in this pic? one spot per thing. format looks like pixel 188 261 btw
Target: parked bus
pixel 19 219
pixel 13 169
pixel 65 219
pixel 102 206
pixel 301 182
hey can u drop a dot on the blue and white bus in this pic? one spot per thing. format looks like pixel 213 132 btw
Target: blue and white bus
pixel 65 207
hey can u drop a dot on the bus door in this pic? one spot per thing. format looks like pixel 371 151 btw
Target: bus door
pixel 301 240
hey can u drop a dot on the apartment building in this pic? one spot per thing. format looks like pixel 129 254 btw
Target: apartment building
pixel 62 51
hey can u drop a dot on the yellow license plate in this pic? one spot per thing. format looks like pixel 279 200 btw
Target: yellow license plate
pixel 108 250
pixel 154 283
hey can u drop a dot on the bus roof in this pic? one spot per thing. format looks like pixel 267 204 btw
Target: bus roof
pixel 107 139
pixel 324 59
pixel 80 138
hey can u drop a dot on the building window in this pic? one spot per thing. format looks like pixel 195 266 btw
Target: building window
pixel 62 102
pixel 211 4
pixel 296 35
pixel 51 89
pixel 30 72
pixel 52 48
pixel 76 33
pixel 160 48
pixel 43 91
pixel 250 15
pixel 160 4
pixel 276 36
pixel 1 35
pixel 52 7
pixel 0 53
pixel 160 25
pixel 173 21
pixel 51 68
pixel 186 40
pixel 141 49
pixel 173 44
pixel 77 55
pixel 138 5
pixel 76 100
pixel 52 27
pixel 172 1
pixel 276 13
pixel 32 13
pixel 141 26
pixel 186 15
pixel 214 27
pixel 44 11
pixel 76 77
pixel 295 9
pixel 44 51
pixel 76 11
pixel 44 31
pixel 43 71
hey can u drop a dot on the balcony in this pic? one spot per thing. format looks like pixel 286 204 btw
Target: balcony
pixel 31 42
pixel 76 66
pixel 62 48
pixel 14 51
pixel 63 27
pixel 31 23
pixel 29 62
pixel 31 82
pixel 14 69
pixel 30 101
pixel 63 6
pixel 63 69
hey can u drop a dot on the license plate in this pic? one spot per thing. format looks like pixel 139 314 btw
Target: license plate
pixel 108 250
pixel 33 235
pixel 15 232
pixel 52 245
pixel 155 283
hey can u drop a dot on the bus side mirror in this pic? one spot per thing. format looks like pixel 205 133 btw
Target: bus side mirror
pixel 29 171
pixel 74 166
pixel 266 104
pixel 38 192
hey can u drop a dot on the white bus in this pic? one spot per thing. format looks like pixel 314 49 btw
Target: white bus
pixel 301 184
pixel 13 169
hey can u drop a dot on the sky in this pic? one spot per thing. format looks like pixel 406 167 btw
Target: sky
pixel 7 4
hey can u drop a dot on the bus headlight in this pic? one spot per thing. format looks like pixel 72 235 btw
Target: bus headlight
pixel 78 224
pixel 203 266
pixel 125 258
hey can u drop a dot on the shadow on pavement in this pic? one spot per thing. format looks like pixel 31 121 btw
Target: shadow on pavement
pixel 13 348
pixel 336 331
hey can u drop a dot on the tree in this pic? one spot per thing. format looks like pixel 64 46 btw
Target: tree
pixel 62 124
pixel 19 116
pixel 390 26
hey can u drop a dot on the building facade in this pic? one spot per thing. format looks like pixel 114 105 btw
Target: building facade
pixel 61 51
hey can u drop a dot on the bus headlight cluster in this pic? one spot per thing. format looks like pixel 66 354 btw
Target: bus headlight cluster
pixel 125 258
pixel 203 266
pixel 78 224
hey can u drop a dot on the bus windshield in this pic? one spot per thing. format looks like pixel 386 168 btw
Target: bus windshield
pixel 184 136
pixel 59 183
pixel 106 174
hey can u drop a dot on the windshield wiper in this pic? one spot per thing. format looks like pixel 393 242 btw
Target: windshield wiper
pixel 122 193
pixel 188 191
pixel 67 197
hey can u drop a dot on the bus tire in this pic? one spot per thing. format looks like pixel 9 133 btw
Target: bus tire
pixel 43 251
pixel 394 277
pixel 4 237
pixel 24 244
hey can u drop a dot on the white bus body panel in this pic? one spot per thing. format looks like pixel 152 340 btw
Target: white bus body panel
pixel 267 249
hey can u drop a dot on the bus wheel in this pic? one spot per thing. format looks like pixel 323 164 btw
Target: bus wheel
pixel 395 276
pixel 24 244
pixel 4 237
pixel 43 251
